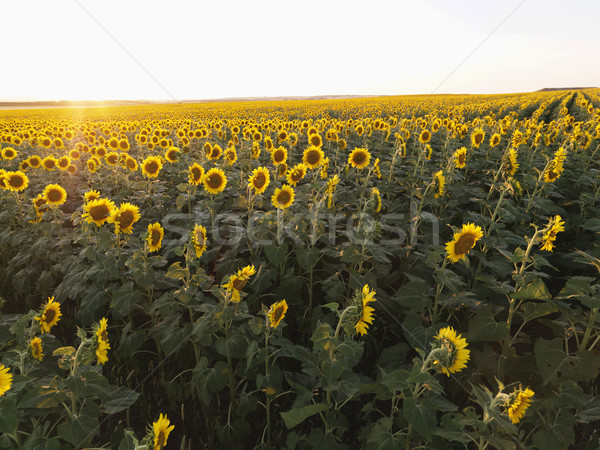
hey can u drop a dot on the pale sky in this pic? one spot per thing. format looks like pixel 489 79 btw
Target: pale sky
pixel 55 50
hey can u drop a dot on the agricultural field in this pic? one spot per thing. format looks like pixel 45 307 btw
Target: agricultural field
pixel 379 273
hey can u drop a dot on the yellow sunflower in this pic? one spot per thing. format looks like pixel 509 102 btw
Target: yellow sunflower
pixel 296 173
pixel 365 317
pixel 215 152
pixel 460 158
pixel 102 345
pixel 231 154
pixel 359 158
pixel 54 194
pixel 131 163
pixel 49 316
pixel 555 225
pixel 276 313
pixel 463 241
pixel 151 166
pixel 451 351
pixel 259 180
pixel 440 183
pixel 172 154
pixel 91 195
pixel 517 404
pixel 9 153
pixel 237 282
pixel 315 140
pixel 196 172
pixel 279 156
pixel 125 217
pixel 284 197
pixel 155 236
pixel 161 431
pixel 425 136
pixel 376 168
pixel 512 160
pixel 15 181
pixel 36 349
pixel 477 137
pixel 5 379
pixel 214 181
pixel 34 161
pixel 98 211
pixel 313 157
pixel 63 162
pixel 377 196
pixel 199 239
pixel 112 158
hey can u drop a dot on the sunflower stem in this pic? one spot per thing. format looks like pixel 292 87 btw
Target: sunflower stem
pixel 438 291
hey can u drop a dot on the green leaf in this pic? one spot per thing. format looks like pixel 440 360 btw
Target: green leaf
pixel 421 414
pixel 332 369
pixel 536 290
pixel 298 415
pixel 551 360
pixel 396 380
pixel 483 327
pixel 276 254
pixel 80 431
pixel 119 400
pixel 8 416
pixel 559 435
pixel 176 272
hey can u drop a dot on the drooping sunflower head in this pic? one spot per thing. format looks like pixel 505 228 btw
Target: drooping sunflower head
pixel 101 344
pixel 199 239
pixel 5 379
pixel 259 180
pixel 36 349
pixel 440 183
pixel 172 154
pixel 463 241
pixel 215 153
pixel 495 139
pixel 16 181
pixel 98 211
pixel 276 313
pixel 161 431
pixel 151 166
pixel 296 174
pixel 49 316
pixel 155 236
pixel 365 312
pixel 237 282
pixel 279 155
pixel 359 158
pixel 555 226
pixel 124 217
pixel 517 404
pixel 91 195
pixel 460 158
pixel 313 157
pixel 112 158
pixel 451 353
pixel 55 194
pixel 283 197
pixel 214 181
pixel 196 174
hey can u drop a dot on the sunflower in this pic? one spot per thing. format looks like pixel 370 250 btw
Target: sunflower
pixel 365 317
pixel 512 160
pixel 315 140
pixel 74 154
pixel 113 143
pixel 131 163
pixel 151 166
pixel 5 379
pixel 460 157
pixel 98 211
pixel 102 344
pixel 268 143
pixel 125 217
pixel 199 239
pixel 376 168
pixel 49 316
pixel 172 154
pixel 214 181
pixel 276 313
pixel 359 158
pixel 495 139
pixel 463 241
pixel 517 404
pixel 16 181
pixel 215 153
pixel 155 236
pixel 9 153
pixel 313 157
pixel 555 225
pixel 296 173
pixel 425 136
pixel 124 145
pixel 91 195
pixel 58 143
pixel 259 180
pixel 196 174
pixel 112 158
pixel 284 197
pixel 451 351
pixel 38 203
pixel 161 431
pixel 93 164
pixel 255 150
pixel 440 183
pixel 231 154
pixel 279 156
pixel 237 282
pixel 324 168
pixel 377 196
pixel 36 349
pixel 477 137
pixel 54 194
pixel 34 161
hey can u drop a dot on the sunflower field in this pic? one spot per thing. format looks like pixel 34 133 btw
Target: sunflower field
pixel 379 273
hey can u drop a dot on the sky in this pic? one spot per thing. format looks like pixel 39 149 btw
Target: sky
pixel 184 50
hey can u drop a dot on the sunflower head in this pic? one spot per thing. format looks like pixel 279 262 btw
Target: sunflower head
pixel 199 239
pixel 279 156
pixel 49 316
pixel 313 157
pixel 460 158
pixel 555 226
pixel 98 211
pixel 450 353
pixel 161 431
pixel 364 316
pixel 151 166
pixel 196 174
pixel 172 154
pixel 276 313
pixel 214 181
pixel 5 379
pixel 36 349
pixel 425 136
pixel 296 173
pixel 124 217
pixel 463 241
pixel 359 158
pixel 477 137
pixel 517 403
pixel 55 195
pixel 15 181
pixel 283 197
pixel 259 180
pixel 101 344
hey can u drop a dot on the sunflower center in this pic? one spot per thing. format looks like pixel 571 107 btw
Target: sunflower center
pixel 152 167
pixel 49 315
pixel 464 244
pixel 359 158
pixel 155 237
pixel 283 197
pixel 259 180
pixel 126 219
pixel 55 195
pixel 214 180
pixel 239 283
pixel 278 156
pixel 16 181
pixel 313 157
pixel 196 173
pixel 172 155
pixel 99 212
pixel 277 314
pixel 131 163
pixel 478 138
pixel 297 175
